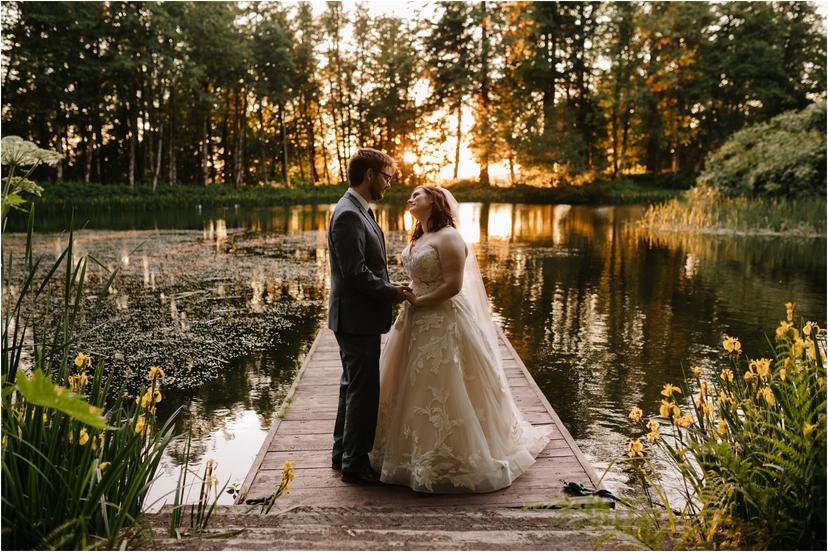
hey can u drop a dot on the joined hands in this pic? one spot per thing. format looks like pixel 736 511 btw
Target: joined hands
pixel 405 293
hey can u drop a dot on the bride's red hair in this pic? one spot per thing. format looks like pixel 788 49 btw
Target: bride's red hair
pixel 440 213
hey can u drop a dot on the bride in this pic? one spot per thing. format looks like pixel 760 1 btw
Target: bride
pixel 447 420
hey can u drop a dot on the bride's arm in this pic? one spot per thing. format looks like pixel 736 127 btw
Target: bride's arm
pixel 452 252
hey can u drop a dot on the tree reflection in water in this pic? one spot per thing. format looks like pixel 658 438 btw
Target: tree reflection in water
pixel 602 314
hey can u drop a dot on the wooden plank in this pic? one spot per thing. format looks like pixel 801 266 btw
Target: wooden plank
pixel 575 450
pixel 304 436
pixel 274 428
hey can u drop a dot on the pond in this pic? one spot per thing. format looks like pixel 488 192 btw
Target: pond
pixel 228 301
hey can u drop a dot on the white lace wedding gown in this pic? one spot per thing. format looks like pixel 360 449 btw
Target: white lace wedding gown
pixel 447 420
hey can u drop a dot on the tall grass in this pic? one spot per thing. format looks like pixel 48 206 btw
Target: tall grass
pixel 702 209
pixel 78 457
pixel 750 452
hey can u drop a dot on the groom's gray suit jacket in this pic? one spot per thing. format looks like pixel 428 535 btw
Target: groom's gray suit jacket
pixel 361 295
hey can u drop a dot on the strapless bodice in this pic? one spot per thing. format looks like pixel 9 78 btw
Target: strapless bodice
pixel 422 264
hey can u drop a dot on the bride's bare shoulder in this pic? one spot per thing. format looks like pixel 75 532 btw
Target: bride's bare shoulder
pixel 450 237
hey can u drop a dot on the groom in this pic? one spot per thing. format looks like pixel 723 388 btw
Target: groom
pixel 359 310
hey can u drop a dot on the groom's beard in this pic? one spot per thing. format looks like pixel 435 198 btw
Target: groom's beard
pixel 378 188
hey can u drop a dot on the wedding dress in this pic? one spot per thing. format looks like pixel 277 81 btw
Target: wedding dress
pixel 447 419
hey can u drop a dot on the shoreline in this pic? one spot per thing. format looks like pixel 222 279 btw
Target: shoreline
pixel 66 195
pixel 726 232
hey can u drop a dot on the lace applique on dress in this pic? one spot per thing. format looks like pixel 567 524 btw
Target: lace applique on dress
pixel 447 420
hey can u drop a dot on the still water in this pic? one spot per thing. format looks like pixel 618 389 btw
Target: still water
pixel 602 315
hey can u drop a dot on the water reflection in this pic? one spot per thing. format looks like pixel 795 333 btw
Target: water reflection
pixel 602 314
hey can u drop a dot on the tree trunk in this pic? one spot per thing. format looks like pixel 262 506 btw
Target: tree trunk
pixel 325 154
pixel 624 140
pixel 238 138
pixel 225 138
pixel 551 48
pixel 284 146
pixel 88 142
pixel 59 166
pixel 459 138
pixel 314 176
pixel 98 149
pixel 158 160
pixel 484 111
pixel 512 178
pixel 262 144
pixel 580 82
pixel 133 137
pixel 146 142
pixel 205 150
pixel 171 161
pixel 338 125
pixel 616 99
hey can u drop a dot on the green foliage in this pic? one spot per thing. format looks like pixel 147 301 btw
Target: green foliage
pixel 604 192
pixel 750 453
pixel 77 460
pixel 40 391
pixel 221 89
pixel 66 194
pixel 782 157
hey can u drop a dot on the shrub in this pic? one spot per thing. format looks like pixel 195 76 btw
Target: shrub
pixel 782 157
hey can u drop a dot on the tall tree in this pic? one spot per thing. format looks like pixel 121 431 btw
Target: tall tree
pixel 450 56
pixel 307 82
pixel 273 71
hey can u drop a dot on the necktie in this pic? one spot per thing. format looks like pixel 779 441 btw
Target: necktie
pixel 371 212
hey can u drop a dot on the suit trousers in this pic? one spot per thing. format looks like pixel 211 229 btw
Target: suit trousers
pixel 356 416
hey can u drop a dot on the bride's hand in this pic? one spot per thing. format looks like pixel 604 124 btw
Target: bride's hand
pixel 411 298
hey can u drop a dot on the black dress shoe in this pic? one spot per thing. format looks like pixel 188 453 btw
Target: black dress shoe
pixel 336 466
pixel 363 477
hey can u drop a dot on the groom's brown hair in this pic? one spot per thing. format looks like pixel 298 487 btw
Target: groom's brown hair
pixel 364 159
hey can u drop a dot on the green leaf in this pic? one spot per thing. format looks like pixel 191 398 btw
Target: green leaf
pixel 40 390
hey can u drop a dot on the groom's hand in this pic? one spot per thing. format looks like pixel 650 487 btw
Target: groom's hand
pixel 402 292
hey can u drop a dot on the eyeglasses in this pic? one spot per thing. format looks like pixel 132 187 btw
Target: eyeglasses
pixel 387 176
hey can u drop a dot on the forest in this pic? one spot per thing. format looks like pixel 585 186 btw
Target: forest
pixel 275 94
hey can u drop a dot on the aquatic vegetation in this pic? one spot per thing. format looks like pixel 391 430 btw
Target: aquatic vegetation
pixel 177 304
pixel 750 454
pixel 703 209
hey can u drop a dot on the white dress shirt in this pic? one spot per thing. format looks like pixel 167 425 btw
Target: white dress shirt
pixel 361 199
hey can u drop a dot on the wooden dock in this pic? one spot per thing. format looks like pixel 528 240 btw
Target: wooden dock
pixel 303 433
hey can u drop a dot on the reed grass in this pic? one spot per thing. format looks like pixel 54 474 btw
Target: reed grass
pixel 702 209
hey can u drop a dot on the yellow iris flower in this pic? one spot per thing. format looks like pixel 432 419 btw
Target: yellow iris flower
pixel 155 372
pixel 669 389
pixel 685 421
pixel 141 425
pixel 767 394
pixel 635 448
pixel 731 344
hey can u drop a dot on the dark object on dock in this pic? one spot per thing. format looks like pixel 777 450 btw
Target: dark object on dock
pixel 574 488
